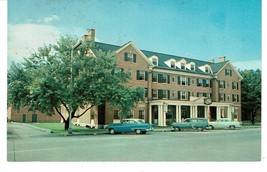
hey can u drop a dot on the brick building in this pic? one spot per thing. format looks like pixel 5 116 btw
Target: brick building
pixel 176 87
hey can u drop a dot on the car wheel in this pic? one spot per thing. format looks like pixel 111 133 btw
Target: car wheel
pixel 177 129
pixel 138 131
pixel 111 131
pixel 211 127
pixel 143 132
pixel 232 127
pixel 200 129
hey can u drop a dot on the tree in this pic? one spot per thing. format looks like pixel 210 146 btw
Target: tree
pixel 251 94
pixel 43 81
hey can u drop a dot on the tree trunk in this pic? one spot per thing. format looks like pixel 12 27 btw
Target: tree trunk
pixel 66 127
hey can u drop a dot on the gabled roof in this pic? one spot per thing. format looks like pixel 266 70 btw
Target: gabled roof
pixel 215 67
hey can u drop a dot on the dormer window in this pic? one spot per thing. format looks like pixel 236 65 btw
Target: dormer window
pixel 207 69
pixel 183 66
pixel 155 61
pixel 172 64
pixel 192 67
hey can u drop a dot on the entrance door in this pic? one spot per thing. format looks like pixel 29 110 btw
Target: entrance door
pixel 24 118
pixel 213 113
pixel 171 114
pixel 101 115
pixel 155 114
pixel 34 118
pixel 185 110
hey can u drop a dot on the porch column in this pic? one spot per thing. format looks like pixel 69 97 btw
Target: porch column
pixel 196 111
pixel 160 115
pixel 177 113
pixel 218 112
pixel 191 111
pixel 150 114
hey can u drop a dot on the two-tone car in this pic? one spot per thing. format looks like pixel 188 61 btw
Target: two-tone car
pixel 224 123
pixel 198 124
pixel 129 125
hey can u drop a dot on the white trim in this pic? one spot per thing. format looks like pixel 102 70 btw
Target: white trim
pixel 238 74
pixel 138 51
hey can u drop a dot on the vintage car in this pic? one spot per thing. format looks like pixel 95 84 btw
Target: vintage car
pixel 129 125
pixel 198 124
pixel 224 123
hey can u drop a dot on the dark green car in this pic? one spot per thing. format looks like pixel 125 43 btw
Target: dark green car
pixel 198 124
pixel 129 125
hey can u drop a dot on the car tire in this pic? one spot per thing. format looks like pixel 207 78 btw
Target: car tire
pixel 138 131
pixel 211 127
pixel 177 129
pixel 143 132
pixel 200 129
pixel 232 127
pixel 111 131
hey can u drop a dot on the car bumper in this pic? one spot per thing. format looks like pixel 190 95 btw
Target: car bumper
pixel 150 129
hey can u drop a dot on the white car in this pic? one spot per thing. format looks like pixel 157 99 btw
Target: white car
pixel 224 123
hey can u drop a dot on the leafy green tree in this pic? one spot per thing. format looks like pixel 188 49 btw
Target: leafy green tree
pixel 49 79
pixel 251 94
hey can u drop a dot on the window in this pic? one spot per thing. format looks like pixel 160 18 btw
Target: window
pixel 164 94
pixel 173 93
pixel 221 84
pixel 207 69
pixel 154 77
pixel 146 92
pixel 193 81
pixel 182 65
pixel 173 79
pixel 228 72
pixel 155 61
pixel 162 78
pixel 141 114
pixel 184 95
pixel 130 57
pixel 206 83
pixel 141 75
pixel 199 82
pixel 116 114
pixel 154 94
pixel 221 97
pixel 192 67
pixel 235 98
pixel 183 80
pixel 172 64
pixel 235 85
pixel 117 70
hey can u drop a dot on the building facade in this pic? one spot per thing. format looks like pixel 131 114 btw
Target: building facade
pixel 175 87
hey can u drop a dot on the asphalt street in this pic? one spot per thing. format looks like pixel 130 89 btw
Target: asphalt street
pixel 29 144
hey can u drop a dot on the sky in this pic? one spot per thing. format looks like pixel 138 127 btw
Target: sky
pixel 199 29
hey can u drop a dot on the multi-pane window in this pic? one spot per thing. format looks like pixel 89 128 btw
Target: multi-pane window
pixel 207 69
pixel 183 80
pixel 173 79
pixel 235 85
pixel 192 67
pixel 172 64
pixel 221 97
pixel 164 78
pixel 154 77
pixel 141 114
pixel 130 57
pixel 199 82
pixel 184 95
pixel 182 65
pixel 154 94
pixel 235 98
pixel 164 94
pixel 141 75
pixel 173 93
pixel 206 83
pixel 221 84
pixel 117 70
pixel 155 61
pixel 228 72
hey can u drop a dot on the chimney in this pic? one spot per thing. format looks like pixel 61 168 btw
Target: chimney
pixel 211 60
pixel 222 59
pixel 90 36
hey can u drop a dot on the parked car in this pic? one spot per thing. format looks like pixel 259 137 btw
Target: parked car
pixel 129 125
pixel 198 124
pixel 224 123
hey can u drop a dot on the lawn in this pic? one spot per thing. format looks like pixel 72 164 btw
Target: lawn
pixel 59 127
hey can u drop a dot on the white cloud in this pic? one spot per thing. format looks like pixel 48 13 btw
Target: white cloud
pixel 23 39
pixel 51 18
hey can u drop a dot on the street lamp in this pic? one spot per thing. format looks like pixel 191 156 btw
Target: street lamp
pixel 79 42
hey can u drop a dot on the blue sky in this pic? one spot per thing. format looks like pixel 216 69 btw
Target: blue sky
pixel 200 29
